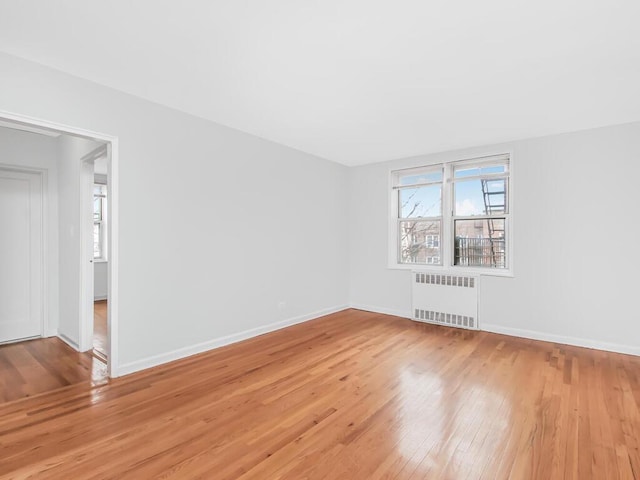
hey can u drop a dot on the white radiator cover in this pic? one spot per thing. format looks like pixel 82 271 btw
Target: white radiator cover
pixel 450 300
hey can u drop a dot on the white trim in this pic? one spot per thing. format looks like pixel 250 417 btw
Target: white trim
pixel 68 341
pixel 54 126
pixel 18 340
pixel 155 360
pixel 520 333
pixel 45 224
pixel 85 210
pixel 112 167
pixel 27 128
pixel 566 340
pixel 95 154
pixel 100 297
pixel 454 270
pixel 383 310
pixel 113 186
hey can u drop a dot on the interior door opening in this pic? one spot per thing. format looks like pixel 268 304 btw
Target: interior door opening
pixel 98 281
pixel 73 295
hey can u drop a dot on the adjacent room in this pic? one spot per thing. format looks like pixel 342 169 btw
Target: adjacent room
pixel 322 240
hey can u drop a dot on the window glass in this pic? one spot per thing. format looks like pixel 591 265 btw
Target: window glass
pixel 99 217
pixel 480 197
pixel 475 171
pixel 420 201
pixel 418 178
pixel 97 209
pixel 97 243
pixel 480 243
pixel 419 241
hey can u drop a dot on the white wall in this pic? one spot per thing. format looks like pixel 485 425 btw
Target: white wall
pixel 226 227
pixel 576 229
pixel 31 150
pixel 230 225
pixel 70 152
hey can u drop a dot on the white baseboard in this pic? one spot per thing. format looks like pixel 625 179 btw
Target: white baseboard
pixel 516 332
pixel 99 297
pixel 155 360
pixel 69 342
pixel 383 310
pixel 548 337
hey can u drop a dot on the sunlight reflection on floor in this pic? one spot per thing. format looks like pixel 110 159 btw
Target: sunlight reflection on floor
pixel 449 427
pixel 99 374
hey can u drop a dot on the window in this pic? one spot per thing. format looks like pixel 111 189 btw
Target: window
pixel 433 241
pixel 452 215
pixel 418 214
pixel 435 260
pixel 99 221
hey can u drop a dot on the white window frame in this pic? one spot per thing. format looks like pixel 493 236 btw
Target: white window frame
pixel 448 225
pixel 396 217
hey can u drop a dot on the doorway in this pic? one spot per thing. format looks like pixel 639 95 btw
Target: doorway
pixel 21 255
pixel 70 315
pixel 95 207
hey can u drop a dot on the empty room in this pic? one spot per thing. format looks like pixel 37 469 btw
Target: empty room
pixel 319 239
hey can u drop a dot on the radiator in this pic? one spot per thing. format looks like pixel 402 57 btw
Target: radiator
pixel 450 300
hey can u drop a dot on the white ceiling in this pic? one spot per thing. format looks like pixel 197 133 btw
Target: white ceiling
pixel 355 81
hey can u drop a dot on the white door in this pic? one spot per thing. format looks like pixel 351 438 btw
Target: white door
pixel 20 255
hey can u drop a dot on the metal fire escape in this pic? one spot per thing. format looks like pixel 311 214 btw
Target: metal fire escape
pixel 494 196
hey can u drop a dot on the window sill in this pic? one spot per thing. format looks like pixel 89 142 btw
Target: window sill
pixel 453 270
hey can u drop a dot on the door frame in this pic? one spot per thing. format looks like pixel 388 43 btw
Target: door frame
pixel 87 263
pixel 43 179
pixel 112 220
pixel 85 336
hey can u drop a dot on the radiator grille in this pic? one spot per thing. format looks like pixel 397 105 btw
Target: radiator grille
pixel 446 299
pixel 446 280
pixel 451 319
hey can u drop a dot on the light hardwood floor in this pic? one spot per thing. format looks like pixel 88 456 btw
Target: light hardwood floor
pixel 100 328
pixel 38 366
pixel 354 395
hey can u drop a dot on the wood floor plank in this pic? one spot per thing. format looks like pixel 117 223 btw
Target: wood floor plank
pixel 100 328
pixel 348 396
pixel 39 366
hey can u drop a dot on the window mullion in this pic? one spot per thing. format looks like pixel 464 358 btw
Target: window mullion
pixel 447 213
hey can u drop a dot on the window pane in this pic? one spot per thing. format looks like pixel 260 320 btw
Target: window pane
pixel 420 202
pixel 480 197
pixel 97 209
pixel 97 244
pixel 480 243
pixel 424 177
pixel 420 242
pixel 474 171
